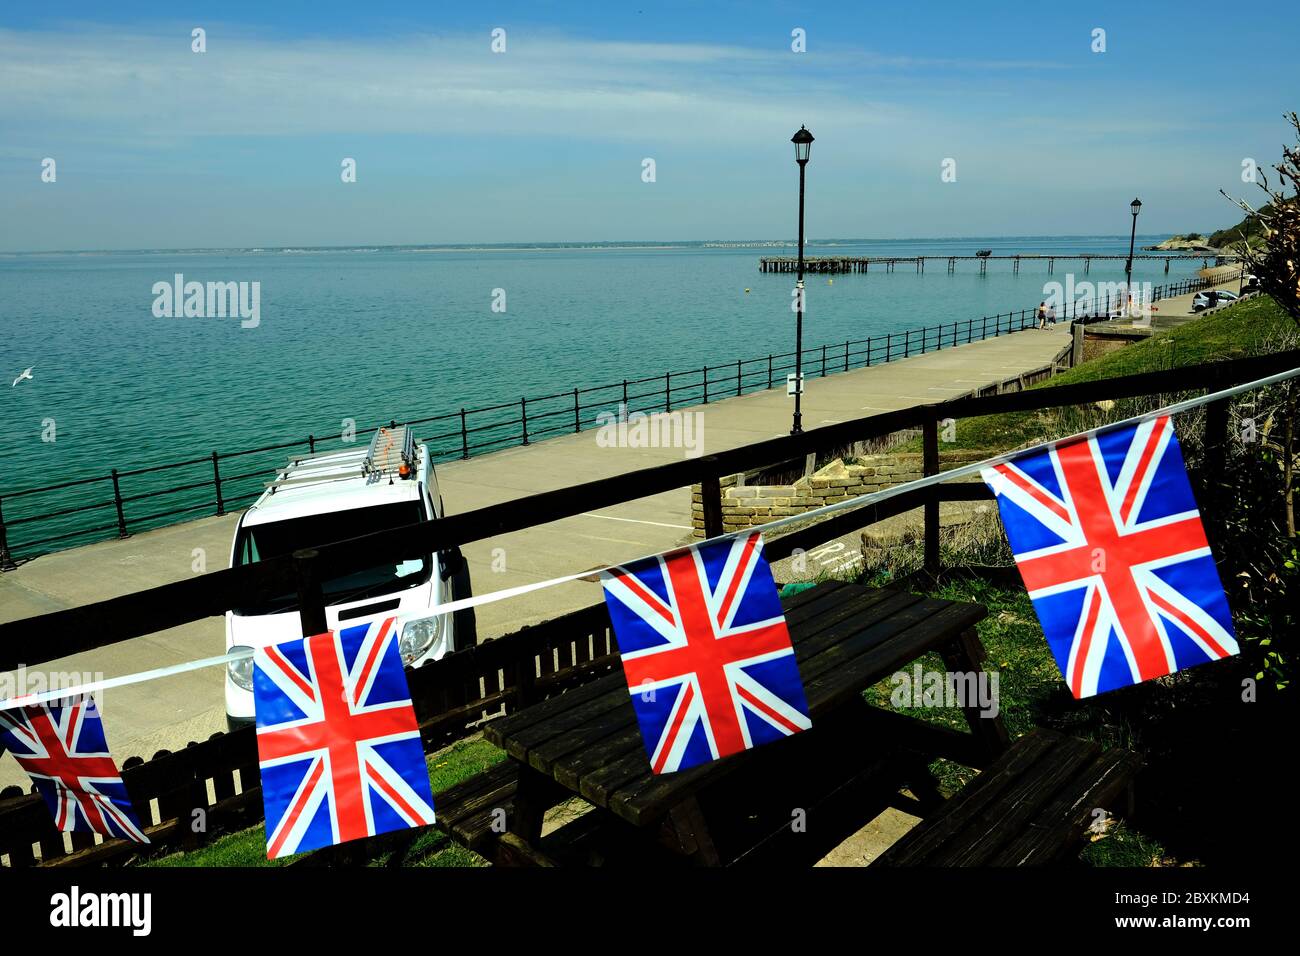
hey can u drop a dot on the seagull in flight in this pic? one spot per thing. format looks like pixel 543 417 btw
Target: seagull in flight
pixel 27 374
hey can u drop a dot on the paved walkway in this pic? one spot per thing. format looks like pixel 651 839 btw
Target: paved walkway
pixel 169 712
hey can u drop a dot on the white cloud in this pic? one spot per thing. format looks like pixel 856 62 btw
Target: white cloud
pixel 130 86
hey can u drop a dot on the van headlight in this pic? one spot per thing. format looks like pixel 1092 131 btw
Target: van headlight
pixel 241 671
pixel 417 637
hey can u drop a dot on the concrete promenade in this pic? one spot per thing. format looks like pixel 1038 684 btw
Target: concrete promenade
pixel 167 713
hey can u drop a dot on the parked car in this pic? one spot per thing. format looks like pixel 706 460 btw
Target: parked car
pixel 333 496
pixel 1250 283
pixel 1210 298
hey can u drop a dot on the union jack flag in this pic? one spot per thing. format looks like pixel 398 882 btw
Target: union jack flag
pixel 61 745
pixel 706 652
pixel 337 740
pixel 1111 548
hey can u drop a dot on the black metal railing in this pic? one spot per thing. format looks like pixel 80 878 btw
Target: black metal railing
pixel 471 431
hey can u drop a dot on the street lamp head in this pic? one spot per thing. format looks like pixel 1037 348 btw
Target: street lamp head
pixel 1135 206
pixel 803 141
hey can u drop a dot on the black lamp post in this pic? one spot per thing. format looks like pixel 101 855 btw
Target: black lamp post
pixel 1135 207
pixel 803 141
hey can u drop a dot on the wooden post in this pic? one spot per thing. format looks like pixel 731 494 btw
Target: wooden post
pixel 930 466
pixel 1216 453
pixel 311 600
pixel 711 498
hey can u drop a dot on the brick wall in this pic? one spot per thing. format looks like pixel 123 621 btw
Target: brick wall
pixel 744 506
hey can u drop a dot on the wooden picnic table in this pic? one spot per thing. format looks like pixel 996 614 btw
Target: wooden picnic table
pixel 846 638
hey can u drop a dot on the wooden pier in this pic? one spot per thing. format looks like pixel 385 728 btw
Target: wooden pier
pixel 838 265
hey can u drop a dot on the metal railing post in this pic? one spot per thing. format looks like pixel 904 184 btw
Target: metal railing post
pixel 7 562
pixel 668 391
pixel 523 417
pixel 117 501
pixel 577 413
pixel 464 436
pixel 846 355
pixel 706 385
pixel 739 387
pixel 216 484
pixel 769 370
pixel 311 443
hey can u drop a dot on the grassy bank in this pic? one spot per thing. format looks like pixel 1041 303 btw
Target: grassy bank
pixel 1247 328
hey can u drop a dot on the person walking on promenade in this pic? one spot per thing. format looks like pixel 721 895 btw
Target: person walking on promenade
pixel 1042 315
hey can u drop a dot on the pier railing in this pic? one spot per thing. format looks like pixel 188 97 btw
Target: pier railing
pixel 41 519
pixel 456 693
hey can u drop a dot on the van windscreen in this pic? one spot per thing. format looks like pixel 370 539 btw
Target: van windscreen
pixel 278 538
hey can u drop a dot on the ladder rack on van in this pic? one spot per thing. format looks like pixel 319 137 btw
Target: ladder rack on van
pixel 391 452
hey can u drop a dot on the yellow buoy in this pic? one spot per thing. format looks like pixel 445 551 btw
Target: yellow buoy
pixel 746 292
pixel 830 281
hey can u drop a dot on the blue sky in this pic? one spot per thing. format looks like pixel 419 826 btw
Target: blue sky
pixel 157 146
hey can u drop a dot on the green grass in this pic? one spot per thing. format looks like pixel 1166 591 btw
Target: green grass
pixel 1252 327
pixel 432 848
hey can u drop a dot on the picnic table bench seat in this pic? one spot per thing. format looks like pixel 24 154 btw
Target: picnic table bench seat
pixel 467 810
pixel 1032 806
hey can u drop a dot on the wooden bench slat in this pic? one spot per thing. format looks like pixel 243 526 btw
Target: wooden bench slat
pixel 1066 819
pixel 979 793
pixel 1018 805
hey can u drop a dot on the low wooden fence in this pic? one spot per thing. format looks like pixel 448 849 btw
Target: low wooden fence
pixel 190 796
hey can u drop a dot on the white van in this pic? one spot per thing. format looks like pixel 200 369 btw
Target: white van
pixel 332 496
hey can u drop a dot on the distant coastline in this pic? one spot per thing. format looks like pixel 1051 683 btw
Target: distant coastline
pixel 613 245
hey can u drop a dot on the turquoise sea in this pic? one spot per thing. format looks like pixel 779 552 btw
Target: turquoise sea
pixel 373 334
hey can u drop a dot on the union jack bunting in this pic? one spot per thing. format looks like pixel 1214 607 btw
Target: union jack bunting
pixel 62 747
pixel 337 740
pixel 1111 548
pixel 706 652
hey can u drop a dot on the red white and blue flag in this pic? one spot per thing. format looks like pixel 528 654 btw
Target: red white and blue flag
pixel 337 740
pixel 1112 551
pixel 61 745
pixel 706 652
